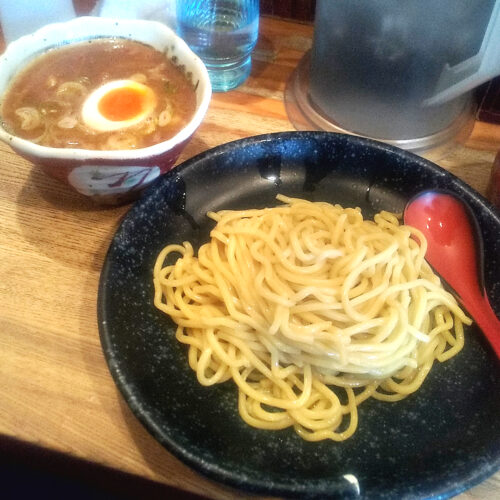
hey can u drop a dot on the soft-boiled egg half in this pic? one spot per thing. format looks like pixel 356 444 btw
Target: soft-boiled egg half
pixel 118 104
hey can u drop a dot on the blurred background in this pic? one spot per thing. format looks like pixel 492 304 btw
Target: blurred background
pixel 303 11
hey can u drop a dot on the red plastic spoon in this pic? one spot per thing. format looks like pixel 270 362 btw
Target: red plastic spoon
pixel 453 240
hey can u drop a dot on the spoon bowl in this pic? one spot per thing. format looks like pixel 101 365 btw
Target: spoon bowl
pixel 455 251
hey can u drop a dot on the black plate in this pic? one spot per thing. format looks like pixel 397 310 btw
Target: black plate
pixel 437 442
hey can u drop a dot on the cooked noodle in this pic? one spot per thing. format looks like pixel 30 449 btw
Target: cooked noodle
pixel 302 302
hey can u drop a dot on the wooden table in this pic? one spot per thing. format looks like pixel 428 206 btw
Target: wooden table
pixel 57 398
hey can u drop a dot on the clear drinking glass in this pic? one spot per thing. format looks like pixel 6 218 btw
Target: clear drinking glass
pixel 223 34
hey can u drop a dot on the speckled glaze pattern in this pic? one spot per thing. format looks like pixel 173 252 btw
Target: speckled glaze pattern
pixel 434 444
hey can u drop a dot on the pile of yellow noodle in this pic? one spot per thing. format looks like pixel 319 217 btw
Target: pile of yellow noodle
pixel 303 301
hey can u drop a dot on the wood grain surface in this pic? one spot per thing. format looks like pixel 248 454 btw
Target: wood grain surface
pixel 56 392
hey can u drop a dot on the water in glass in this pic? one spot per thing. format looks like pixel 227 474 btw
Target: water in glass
pixel 223 34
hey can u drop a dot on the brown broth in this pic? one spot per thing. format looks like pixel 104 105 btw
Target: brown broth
pixel 89 65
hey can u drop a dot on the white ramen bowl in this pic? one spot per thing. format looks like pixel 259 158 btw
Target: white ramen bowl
pixel 106 176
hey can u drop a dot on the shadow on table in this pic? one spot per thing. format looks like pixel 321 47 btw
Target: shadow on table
pixel 28 471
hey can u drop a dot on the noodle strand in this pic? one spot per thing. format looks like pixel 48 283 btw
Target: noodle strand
pixel 310 310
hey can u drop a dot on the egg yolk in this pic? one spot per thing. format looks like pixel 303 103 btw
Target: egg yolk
pixel 122 103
